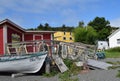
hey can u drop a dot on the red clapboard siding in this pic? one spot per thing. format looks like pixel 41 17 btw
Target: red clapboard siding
pixel 1 41
pixel 28 37
pixel 46 36
pixel 10 32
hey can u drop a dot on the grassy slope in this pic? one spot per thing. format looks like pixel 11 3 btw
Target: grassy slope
pixel 112 54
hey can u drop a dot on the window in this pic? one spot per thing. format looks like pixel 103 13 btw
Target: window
pixel 101 43
pixel 64 38
pixel 70 38
pixel 118 41
pixel 15 38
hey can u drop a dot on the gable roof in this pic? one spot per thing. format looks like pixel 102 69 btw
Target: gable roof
pixel 19 27
pixel 12 23
pixel 114 33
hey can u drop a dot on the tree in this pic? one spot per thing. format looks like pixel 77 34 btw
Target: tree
pixel 81 24
pixel 99 23
pixel 47 27
pixel 40 27
pixel 102 27
pixel 63 27
pixel 85 35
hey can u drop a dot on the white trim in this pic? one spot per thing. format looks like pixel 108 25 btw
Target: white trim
pixel 4 36
pixel 51 36
pixel 37 35
pixel 42 37
pixel 34 39
pixel 23 37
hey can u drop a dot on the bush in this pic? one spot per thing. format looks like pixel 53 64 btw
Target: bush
pixel 85 35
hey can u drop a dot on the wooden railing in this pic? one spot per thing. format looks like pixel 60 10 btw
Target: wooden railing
pixel 63 49
pixel 29 47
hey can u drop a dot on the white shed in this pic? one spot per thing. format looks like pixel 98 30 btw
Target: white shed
pixel 102 45
pixel 114 39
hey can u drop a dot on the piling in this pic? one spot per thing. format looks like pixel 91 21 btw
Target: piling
pixel 47 63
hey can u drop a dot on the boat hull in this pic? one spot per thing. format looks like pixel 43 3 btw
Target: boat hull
pixel 22 64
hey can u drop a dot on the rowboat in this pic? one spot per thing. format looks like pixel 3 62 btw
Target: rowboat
pixel 23 57
pixel 26 63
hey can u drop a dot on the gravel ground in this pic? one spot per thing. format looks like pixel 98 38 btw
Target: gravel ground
pixel 92 75
pixel 99 75
pixel 27 78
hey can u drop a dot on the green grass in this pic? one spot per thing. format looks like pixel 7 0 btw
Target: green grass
pixel 118 75
pixel 51 74
pixel 73 70
pixel 112 54
pixel 114 63
pixel 113 67
pixel 66 76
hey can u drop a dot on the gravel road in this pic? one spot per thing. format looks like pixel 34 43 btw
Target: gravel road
pixel 92 75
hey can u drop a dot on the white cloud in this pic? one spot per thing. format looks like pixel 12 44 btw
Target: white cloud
pixel 40 6
pixel 33 6
pixel 20 10
pixel 115 22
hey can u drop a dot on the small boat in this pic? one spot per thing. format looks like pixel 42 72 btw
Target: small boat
pixel 26 63
pixel 23 57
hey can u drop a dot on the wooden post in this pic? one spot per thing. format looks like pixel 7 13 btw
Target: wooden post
pixel 47 63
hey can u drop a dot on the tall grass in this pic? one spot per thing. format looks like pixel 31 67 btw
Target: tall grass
pixel 118 75
pixel 113 52
pixel 73 70
pixel 115 49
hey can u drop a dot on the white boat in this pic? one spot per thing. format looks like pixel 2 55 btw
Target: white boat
pixel 26 63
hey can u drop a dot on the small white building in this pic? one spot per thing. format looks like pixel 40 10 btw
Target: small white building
pixel 102 45
pixel 114 39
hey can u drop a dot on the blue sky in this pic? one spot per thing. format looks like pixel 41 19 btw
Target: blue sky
pixel 31 13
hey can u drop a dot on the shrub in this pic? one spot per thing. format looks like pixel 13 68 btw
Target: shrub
pixel 85 35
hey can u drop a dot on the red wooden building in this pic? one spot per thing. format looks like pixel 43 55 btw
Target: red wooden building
pixel 11 32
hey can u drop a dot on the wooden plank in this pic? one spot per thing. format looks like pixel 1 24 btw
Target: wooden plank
pixel 59 62
pixel 98 64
